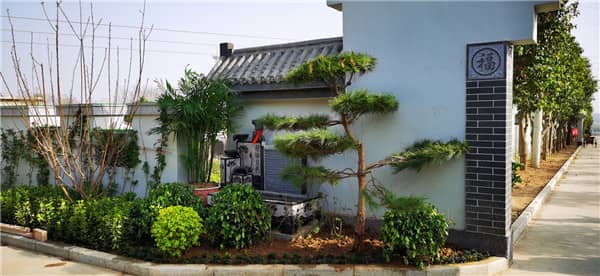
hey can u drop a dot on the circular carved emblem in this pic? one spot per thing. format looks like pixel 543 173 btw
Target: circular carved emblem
pixel 485 61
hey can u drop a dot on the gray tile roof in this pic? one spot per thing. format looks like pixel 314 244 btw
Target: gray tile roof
pixel 264 68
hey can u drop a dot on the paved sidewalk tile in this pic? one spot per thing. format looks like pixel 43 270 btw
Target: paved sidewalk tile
pixel 564 238
pixel 16 261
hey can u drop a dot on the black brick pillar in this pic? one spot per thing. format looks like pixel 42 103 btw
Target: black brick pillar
pixel 489 134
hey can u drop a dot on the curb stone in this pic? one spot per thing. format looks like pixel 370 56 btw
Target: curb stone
pixel 489 266
pixel 520 224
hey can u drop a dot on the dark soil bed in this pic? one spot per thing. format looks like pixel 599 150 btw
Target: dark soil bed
pixel 535 179
pixel 321 248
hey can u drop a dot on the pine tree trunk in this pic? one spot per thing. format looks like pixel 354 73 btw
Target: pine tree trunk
pixel 361 209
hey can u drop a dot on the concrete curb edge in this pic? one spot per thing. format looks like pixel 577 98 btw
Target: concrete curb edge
pixel 520 224
pixel 490 266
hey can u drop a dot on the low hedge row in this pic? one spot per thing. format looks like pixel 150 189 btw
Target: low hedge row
pixel 238 219
pixel 107 223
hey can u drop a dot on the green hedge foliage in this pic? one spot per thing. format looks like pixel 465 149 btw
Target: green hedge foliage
pixel 107 223
pixel 238 217
pixel 176 229
pixel 415 234
pixel 172 194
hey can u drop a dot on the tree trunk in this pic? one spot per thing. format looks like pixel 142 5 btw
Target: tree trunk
pixel 522 149
pixel 536 140
pixel 361 209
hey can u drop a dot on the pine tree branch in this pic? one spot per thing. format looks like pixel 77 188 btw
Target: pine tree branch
pixel 299 175
pixel 356 103
pixel 314 143
pixel 275 122
pixel 421 154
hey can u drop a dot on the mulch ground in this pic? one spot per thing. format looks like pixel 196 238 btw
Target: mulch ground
pixel 323 243
pixel 534 179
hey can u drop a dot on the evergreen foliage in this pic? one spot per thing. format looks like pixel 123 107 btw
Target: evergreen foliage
pixel 428 152
pixel 316 140
pixel 299 175
pixel 272 121
pixel 356 103
pixel 332 69
pixel 314 143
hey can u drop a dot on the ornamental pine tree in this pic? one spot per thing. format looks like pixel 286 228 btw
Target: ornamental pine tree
pixel 311 136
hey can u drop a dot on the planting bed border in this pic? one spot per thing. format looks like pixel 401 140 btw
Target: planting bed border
pixel 489 266
pixel 520 224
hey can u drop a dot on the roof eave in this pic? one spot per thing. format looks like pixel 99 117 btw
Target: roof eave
pixel 335 4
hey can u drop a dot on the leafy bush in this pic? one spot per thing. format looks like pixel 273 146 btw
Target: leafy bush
pixel 416 233
pixel 20 205
pixel 238 217
pixel 136 230
pixel 172 194
pixel 176 229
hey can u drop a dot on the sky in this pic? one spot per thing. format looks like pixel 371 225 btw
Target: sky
pixel 190 34
pixel 187 33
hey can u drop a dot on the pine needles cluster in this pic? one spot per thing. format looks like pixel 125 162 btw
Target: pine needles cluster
pixel 272 121
pixel 299 174
pixel 331 69
pixel 356 103
pixel 314 143
pixel 429 152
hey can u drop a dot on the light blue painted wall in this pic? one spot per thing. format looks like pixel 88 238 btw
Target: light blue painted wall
pixel 421 48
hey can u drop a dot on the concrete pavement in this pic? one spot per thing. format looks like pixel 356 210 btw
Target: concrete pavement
pixel 564 238
pixel 16 261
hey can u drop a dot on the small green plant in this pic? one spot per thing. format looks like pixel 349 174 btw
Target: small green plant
pixel 416 233
pixel 171 194
pixel 238 217
pixel 516 178
pixel 176 229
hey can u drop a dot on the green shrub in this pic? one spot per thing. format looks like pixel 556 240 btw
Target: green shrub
pixel 516 178
pixel 57 222
pixel 176 229
pixel 20 205
pixel 136 230
pixel 415 233
pixel 238 217
pixel 106 220
pixel 172 194
pixel 77 229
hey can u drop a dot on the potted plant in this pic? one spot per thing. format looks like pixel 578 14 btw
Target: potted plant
pixel 196 112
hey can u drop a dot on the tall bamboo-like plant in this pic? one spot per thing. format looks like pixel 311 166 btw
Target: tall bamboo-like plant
pixel 196 112
pixel 316 140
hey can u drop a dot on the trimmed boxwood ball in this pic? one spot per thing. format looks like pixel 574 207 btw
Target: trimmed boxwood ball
pixel 417 234
pixel 238 217
pixel 176 229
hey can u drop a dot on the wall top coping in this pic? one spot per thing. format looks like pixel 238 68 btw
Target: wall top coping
pixel 98 109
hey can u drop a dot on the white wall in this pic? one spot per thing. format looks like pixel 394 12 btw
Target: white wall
pixel 143 121
pixel 420 48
